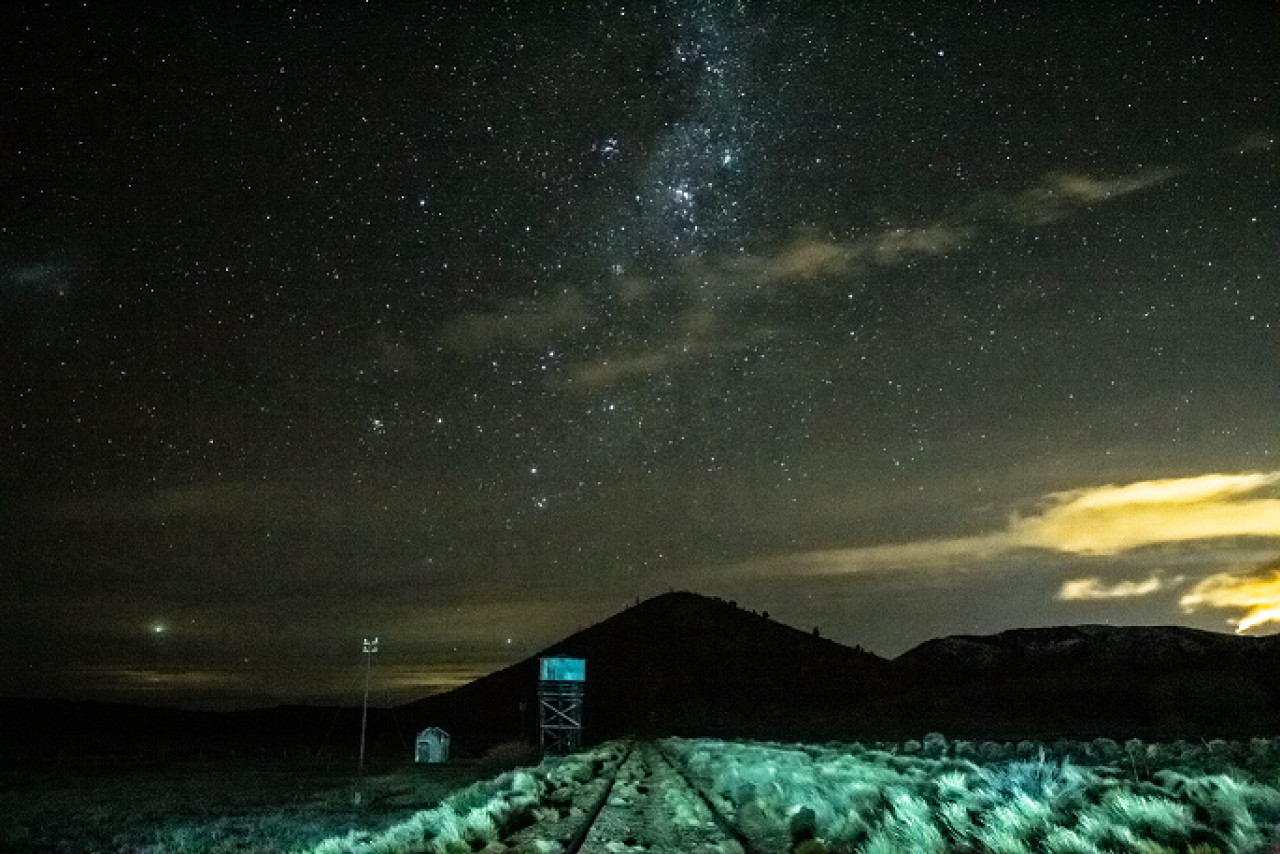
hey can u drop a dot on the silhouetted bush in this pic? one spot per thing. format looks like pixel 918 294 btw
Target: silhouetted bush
pixel 508 755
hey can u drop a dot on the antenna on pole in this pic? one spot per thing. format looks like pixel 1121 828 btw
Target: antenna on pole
pixel 369 648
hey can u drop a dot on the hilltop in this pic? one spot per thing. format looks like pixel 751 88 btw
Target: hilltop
pixel 1147 681
pixel 680 663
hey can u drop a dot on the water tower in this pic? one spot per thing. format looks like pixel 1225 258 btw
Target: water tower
pixel 561 683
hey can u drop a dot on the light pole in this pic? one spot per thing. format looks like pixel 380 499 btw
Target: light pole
pixel 370 647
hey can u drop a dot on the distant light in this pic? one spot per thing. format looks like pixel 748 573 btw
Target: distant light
pixel 158 629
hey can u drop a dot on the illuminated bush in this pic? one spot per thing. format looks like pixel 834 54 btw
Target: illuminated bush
pixel 1105 750
pixel 1062 840
pixel 1014 825
pixel 934 745
pixel 882 800
pixel 908 826
pixel 1055 782
pixel 1159 819
pixel 474 817
pixel 991 751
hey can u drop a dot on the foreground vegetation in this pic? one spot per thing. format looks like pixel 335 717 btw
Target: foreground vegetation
pixel 933 797
pixel 923 797
pixel 479 815
pixel 247 806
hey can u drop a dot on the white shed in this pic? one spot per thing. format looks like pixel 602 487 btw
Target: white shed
pixel 432 746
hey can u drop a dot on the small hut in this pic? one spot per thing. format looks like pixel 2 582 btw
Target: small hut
pixel 432 746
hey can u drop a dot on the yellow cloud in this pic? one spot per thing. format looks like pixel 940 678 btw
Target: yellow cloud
pixel 810 258
pixel 698 337
pixel 1256 592
pixel 150 679
pixel 1060 193
pixel 1105 520
pixel 806 258
pixel 621 366
pixel 923 555
pixel 433 678
pixel 520 323
pixel 1113 519
pixel 1089 589
pixel 903 245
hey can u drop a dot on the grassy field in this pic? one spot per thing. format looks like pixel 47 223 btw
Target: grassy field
pixel 932 796
pixel 246 806
pixel 936 797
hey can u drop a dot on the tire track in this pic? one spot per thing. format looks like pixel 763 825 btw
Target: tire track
pixel 728 827
pixel 565 816
pixel 574 845
pixel 652 809
pixel 643 804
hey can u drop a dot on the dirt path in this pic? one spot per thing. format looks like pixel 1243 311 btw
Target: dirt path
pixel 652 809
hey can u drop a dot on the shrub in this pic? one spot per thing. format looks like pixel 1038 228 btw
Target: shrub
pixel 1263 751
pixel 1062 840
pixel 1159 819
pixel 991 751
pixel 1223 800
pixel 934 745
pixel 508 755
pixel 1104 750
pixel 907 827
pixel 472 818
pixel 885 800
pixel 1013 826
pixel 1055 782
pixel 959 822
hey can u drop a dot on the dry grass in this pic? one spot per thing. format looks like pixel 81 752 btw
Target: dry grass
pixel 256 806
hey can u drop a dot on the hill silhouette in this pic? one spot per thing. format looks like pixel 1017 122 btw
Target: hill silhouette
pixel 1145 681
pixel 679 663
pixel 686 664
pixel 682 663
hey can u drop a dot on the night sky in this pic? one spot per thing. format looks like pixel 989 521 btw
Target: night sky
pixel 466 324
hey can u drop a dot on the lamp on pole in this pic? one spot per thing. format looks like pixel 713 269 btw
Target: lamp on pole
pixel 370 647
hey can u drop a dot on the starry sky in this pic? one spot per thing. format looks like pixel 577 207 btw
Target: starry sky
pixel 466 325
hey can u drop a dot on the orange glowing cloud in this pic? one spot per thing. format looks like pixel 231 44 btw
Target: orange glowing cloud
pixel 1092 589
pixel 1256 592
pixel 1112 519
pixel 1104 520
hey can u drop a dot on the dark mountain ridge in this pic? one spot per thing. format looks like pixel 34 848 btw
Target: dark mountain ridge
pixel 684 663
pixel 1146 681
pixel 680 663
pixel 1089 645
pixel 687 664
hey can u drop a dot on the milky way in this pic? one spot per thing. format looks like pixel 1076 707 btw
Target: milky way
pixel 690 194
pixel 466 328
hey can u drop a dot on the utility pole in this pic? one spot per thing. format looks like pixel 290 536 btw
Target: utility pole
pixel 370 647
